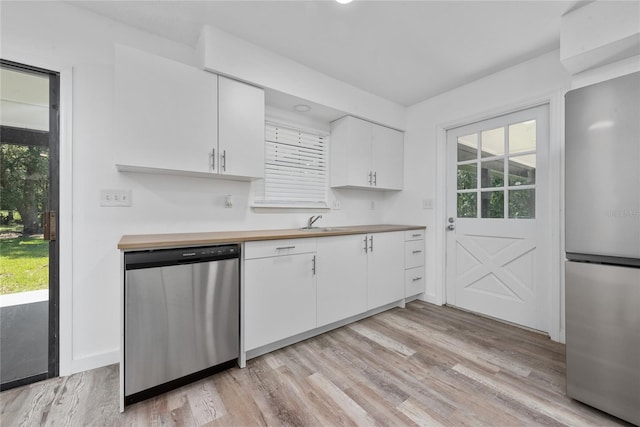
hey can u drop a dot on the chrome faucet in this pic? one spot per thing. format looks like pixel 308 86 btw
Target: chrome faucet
pixel 312 220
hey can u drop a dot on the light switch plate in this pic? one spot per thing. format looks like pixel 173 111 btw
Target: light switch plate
pixel 336 205
pixel 115 198
pixel 427 203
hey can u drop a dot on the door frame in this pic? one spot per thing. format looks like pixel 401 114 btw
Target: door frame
pixel 66 365
pixel 53 199
pixel 553 245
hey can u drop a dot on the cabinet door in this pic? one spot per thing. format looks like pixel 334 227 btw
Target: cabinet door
pixel 341 277
pixel 385 266
pixel 387 158
pixel 279 298
pixel 165 112
pixel 359 153
pixel 241 129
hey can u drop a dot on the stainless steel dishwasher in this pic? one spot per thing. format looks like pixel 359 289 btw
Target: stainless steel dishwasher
pixel 181 317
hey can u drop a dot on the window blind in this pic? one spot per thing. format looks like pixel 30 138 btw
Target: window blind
pixel 295 168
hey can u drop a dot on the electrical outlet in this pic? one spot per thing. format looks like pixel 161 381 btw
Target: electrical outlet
pixel 115 198
pixel 373 205
pixel 228 201
pixel 427 203
pixel 337 205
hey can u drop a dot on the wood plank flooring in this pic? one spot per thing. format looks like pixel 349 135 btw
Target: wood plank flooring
pixel 423 365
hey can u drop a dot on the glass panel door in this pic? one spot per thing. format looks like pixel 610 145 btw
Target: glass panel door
pixel 25 184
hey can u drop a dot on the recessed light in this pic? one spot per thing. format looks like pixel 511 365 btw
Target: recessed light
pixel 343 1
pixel 302 108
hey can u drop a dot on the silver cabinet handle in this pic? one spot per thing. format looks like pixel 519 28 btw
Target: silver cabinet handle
pixel 366 247
pixel 370 178
pixel 416 235
pixel 375 179
pixel 314 265
pixel 284 247
pixel 213 159
pixel 224 160
pixel 415 279
pixel 371 243
pixel 416 252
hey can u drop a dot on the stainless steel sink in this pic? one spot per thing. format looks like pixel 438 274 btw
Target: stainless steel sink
pixel 322 229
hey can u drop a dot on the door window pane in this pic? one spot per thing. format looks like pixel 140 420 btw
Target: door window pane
pixel 492 173
pixel 467 176
pixel 493 142
pixel 468 147
pixel 522 137
pixel 492 204
pixel 467 205
pixel 522 203
pixel 522 170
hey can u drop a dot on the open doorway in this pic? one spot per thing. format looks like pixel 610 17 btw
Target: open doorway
pixel 29 204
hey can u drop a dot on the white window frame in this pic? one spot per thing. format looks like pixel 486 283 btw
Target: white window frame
pixel 263 198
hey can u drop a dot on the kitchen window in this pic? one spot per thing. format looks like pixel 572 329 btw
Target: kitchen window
pixel 295 168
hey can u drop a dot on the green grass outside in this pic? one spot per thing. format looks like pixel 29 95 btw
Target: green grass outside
pixel 24 262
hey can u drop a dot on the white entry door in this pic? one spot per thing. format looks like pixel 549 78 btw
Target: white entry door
pixel 496 184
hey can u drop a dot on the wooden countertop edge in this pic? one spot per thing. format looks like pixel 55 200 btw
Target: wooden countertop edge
pixel 174 240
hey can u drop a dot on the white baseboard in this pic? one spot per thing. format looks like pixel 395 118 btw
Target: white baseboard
pixel 431 299
pixel 92 362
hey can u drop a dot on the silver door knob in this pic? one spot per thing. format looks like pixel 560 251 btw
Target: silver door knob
pixel 451 227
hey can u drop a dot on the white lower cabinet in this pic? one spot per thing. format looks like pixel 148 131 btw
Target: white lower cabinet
pixel 414 258
pixel 279 295
pixel 341 278
pixel 385 268
pixel 296 285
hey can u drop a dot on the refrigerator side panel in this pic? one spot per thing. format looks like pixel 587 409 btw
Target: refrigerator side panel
pixel 603 337
pixel 603 168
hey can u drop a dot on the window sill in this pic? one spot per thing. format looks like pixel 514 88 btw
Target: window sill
pixel 284 207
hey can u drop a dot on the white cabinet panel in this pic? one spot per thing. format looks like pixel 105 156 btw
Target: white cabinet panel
pixel 387 158
pixel 241 129
pixel 269 248
pixel 358 154
pixel 165 112
pixel 279 299
pixel 414 281
pixel 414 254
pixel 414 235
pixel 385 268
pixel 341 277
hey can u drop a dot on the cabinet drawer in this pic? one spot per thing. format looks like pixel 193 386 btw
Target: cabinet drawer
pixel 269 248
pixel 414 254
pixel 414 281
pixel 413 235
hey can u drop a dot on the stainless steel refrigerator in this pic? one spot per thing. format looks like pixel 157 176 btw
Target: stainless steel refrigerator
pixel 602 223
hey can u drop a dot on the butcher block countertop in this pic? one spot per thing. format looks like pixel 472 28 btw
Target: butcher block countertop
pixel 174 240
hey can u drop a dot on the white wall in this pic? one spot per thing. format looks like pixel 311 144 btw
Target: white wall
pixel 519 86
pixel 224 53
pixel 59 36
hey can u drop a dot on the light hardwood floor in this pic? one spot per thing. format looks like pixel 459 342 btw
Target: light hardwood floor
pixel 422 365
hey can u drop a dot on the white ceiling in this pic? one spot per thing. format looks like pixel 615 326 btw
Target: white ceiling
pixel 404 51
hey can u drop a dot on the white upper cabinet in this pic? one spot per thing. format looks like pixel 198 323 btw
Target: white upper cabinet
pixel 240 129
pixel 387 157
pixel 366 155
pixel 164 113
pixel 174 118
